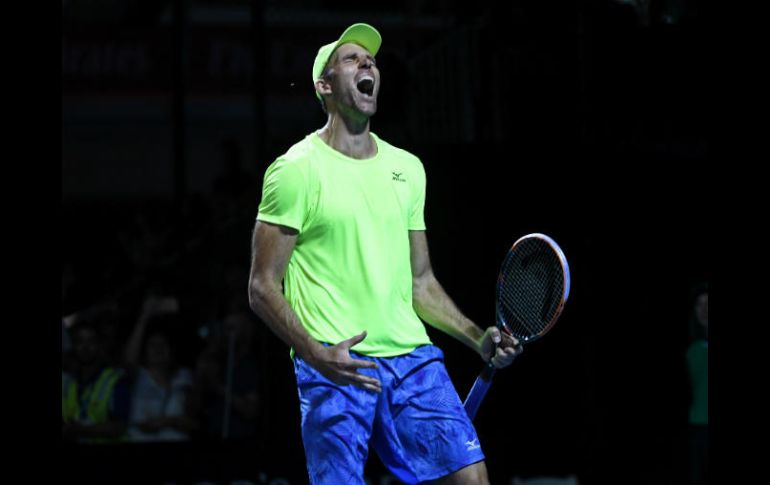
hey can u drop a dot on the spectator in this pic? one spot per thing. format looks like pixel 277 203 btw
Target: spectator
pixel 234 345
pixel 95 396
pixel 697 365
pixel 161 408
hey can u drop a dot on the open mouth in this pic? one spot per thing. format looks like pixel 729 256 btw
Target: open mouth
pixel 366 85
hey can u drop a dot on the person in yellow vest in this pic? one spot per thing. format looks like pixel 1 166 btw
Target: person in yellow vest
pixel 95 396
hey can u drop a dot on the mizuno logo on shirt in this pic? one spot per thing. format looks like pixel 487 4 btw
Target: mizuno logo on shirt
pixel 397 177
pixel 473 445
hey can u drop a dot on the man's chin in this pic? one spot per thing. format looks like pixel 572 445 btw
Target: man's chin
pixel 367 108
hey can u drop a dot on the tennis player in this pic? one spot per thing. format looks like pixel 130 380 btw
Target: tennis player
pixel 341 224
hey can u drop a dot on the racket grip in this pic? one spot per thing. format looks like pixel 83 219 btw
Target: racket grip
pixel 478 391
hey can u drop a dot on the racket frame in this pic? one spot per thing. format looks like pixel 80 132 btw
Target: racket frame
pixel 484 380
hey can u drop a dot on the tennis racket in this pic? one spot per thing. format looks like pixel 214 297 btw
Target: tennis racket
pixel 532 288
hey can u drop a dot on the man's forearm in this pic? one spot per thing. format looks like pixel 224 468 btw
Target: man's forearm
pixel 268 302
pixel 435 307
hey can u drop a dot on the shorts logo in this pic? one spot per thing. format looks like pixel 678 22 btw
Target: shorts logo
pixel 473 445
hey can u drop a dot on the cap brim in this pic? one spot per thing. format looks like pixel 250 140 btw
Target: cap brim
pixel 364 35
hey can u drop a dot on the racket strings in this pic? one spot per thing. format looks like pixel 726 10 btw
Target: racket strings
pixel 530 289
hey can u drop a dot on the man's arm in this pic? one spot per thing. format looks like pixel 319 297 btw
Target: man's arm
pixel 434 306
pixel 272 246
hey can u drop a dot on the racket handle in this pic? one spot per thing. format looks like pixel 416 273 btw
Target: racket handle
pixel 478 391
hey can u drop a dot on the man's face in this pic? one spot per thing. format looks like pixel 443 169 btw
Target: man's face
pixel 86 345
pixel 355 79
pixel 702 309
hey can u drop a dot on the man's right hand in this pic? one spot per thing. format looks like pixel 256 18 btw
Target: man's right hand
pixel 335 364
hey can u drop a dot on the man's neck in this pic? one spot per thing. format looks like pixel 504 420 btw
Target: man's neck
pixel 351 138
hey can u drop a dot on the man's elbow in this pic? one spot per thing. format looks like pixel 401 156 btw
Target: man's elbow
pixel 259 290
pixel 420 289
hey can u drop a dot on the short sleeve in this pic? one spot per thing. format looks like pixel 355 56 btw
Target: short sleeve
pixel 417 213
pixel 284 195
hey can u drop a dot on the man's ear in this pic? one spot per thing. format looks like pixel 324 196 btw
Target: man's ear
pixel 323 86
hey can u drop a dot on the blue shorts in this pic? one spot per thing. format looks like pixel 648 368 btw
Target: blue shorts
pixel 417 425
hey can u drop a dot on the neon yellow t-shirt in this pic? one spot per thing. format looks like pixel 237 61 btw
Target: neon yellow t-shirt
pixel 350 270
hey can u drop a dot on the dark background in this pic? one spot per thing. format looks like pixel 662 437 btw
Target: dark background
pixel 582 120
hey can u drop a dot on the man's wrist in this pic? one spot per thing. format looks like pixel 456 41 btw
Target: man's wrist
pixel 476 335
pixel 309 350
